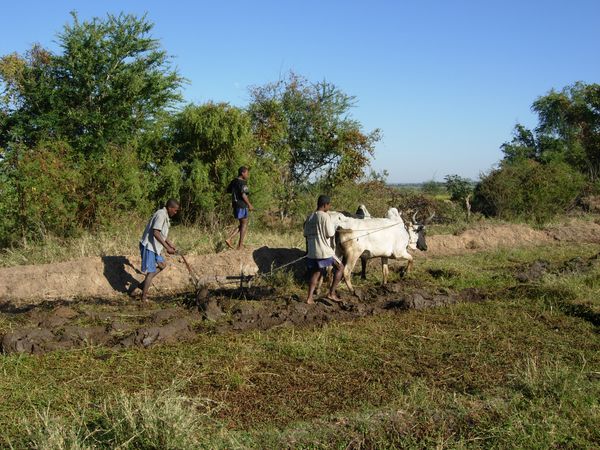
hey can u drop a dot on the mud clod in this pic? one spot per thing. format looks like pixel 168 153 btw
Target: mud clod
pixel 211 310
pixel 179 329
pixel 27 340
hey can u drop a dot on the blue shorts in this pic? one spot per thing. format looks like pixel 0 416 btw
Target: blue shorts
pixel 149 260
pixel 240 213
pixel 318 264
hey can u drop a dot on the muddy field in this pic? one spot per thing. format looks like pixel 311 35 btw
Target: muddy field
pixel 118 321
pixel 119 324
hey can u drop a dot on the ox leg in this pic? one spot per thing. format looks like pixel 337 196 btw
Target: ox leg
pixel 408 257
pixel 385 269
pixel 348 267
pixel 363 266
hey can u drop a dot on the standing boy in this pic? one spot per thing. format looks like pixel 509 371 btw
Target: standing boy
pixel 318 230
pixel 241 205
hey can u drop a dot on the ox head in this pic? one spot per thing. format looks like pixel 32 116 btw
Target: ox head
pixel 417 231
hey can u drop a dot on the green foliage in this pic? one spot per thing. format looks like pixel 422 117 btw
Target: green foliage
pixel 99 95
pixel 211 142
pixel 304 132
pixel 42 187
pixel 568 130
pixel 458 187
pixel 113 183
pixel 433 187
pixel 528 190
pixel 108 83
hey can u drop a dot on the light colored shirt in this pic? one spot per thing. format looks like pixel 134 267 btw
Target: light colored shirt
pixel 159 221
pixel 318 230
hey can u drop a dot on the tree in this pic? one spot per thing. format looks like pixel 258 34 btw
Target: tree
pixel 304 132
pixel 568 130
pixel 210 142
pixel 522 146
pixel 572 117
pixel 98 96
pixel 528 190
pixel 460 190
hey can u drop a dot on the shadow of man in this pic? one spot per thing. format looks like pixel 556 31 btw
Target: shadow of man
pixel 116 275
pixel 268 259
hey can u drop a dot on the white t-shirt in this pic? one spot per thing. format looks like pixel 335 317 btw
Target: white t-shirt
pixel 318 230
pixel 159 221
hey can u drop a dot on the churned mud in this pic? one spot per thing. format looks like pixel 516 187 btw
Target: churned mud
pixel 78 319
pixel 119 325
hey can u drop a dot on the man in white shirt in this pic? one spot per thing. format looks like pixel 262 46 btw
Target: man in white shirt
pixel 318 230
pixel 153 241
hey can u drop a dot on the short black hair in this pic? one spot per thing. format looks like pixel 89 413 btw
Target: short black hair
pixel 243 169
pixel 171 203
pixel 323 200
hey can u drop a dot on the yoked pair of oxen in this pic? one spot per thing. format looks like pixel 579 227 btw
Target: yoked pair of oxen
pixel 362 236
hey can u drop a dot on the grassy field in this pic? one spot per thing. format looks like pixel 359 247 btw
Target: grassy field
pixel 519 370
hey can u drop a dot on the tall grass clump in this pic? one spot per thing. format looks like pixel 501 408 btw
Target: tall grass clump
pixel 164 420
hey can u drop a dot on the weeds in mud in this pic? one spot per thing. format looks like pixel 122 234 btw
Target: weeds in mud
pixel 283 281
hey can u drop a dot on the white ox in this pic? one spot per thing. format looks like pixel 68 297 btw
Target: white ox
pixel 386 238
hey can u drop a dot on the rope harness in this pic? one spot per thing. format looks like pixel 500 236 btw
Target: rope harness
pixel 270 273
pixel 371 231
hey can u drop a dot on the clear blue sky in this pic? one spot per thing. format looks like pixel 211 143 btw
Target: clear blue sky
pixel 446 81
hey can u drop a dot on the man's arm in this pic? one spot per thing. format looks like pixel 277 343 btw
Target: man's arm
pixel 166 244
pixel 329 227
pixel 247 202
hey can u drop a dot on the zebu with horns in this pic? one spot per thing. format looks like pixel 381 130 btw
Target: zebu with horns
pixel 383 238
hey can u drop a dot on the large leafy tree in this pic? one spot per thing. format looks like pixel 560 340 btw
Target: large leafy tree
pixel 305 132
pixel 108 83
pixel 568 130
pixel 85 108
pixel 208 143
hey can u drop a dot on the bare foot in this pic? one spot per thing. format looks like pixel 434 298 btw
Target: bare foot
pixel 334 298
pixel 146 303
pixel 310 301
pixel 228 244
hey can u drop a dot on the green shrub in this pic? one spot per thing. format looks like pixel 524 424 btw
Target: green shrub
pixel 42 185
pixel 528 190
pixel 112 184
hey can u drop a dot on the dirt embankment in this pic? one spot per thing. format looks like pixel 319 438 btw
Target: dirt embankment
pixel 112 276
pixel 485 237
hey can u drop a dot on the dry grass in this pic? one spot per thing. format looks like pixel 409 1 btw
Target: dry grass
pixel 124 241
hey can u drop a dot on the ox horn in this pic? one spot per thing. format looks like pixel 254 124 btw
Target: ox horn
pixel 414 216
pixel 429 218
